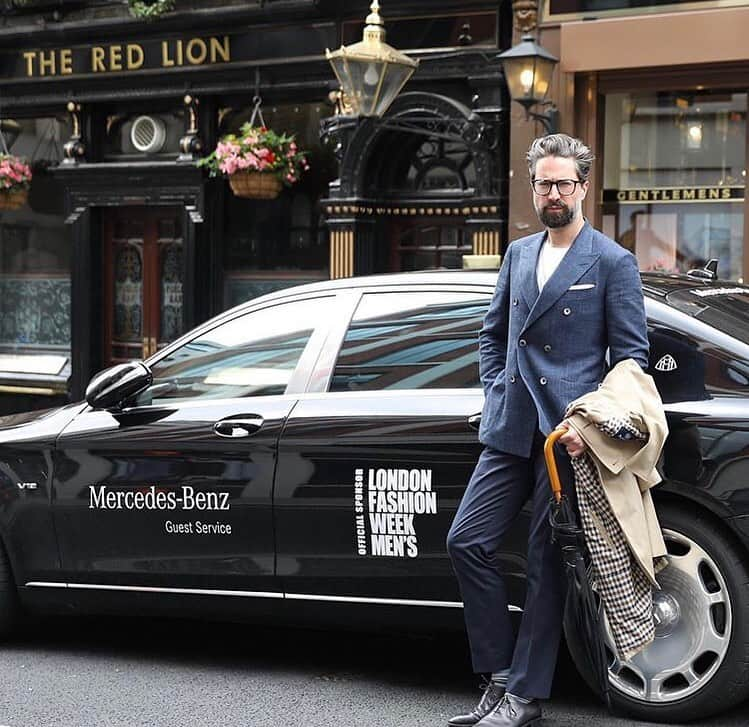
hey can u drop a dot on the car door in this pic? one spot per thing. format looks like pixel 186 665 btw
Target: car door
pixel 372 470
pixel 174 491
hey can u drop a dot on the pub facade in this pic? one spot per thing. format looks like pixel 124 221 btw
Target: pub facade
pixel 125 243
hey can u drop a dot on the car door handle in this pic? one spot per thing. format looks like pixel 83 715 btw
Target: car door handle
pixel 233 428
pixel 474 421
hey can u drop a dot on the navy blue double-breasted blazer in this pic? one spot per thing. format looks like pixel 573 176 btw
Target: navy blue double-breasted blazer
pixel 539 352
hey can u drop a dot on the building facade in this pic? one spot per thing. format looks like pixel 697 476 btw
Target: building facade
pixel 660 93
pixel 125 243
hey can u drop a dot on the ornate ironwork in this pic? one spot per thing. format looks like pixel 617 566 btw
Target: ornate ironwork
pixel 74 149
pixel 471 131
pixel 190 145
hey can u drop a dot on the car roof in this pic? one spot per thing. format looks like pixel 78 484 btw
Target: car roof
pixel 657 284
pixel 414 277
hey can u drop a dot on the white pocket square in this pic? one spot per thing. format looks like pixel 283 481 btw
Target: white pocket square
pixel 583 286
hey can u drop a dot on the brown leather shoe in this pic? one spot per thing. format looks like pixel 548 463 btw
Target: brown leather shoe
pixel 493 692
pixel 511 712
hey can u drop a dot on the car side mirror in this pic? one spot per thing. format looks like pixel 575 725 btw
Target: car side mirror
pixel 111 387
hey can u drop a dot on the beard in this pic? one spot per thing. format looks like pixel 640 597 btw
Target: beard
pixel 561 216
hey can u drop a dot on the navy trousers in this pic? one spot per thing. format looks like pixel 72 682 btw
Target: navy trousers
pixel 498 489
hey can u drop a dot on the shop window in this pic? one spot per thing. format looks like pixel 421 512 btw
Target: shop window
pixel 674 178
pixel 273 244
pixel 35 258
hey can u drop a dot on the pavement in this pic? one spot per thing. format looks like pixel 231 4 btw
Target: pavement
pixel 127 673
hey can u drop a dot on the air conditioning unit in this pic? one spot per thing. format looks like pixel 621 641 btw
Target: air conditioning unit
pixel 148 134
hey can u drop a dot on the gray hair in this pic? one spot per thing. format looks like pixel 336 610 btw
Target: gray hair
pixel 561 145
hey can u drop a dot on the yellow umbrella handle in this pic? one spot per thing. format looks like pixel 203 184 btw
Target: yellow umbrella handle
pixel 551 463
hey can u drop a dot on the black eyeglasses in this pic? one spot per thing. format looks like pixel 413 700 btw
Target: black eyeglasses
pixel 565 187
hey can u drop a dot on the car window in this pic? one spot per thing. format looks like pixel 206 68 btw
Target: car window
pixel 412 340
pixel 252 355
pixel 725 307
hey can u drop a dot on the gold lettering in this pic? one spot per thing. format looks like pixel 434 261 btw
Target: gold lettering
pixel 631 196
pixel 134 56
pixel 166 61
pixel 714 194
pixel 689 193
pixel 47 63
pixel 66 61
pixel 725 193
pixel 702 194
pixel 220 48
pixel 97 59
pixel 666 195
pixel 656 193
pixel 180 57
pixel 115 57
pixel 197 60
pixel 676 193
pixel 642 195
pixel 621 196
pixel 29 55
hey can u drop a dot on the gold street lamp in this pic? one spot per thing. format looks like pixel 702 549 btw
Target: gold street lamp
pixel 528 68
pixel 371 72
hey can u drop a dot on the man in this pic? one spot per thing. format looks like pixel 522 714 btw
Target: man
pixel 564 298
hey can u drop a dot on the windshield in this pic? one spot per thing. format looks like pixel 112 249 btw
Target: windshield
pixel 724 307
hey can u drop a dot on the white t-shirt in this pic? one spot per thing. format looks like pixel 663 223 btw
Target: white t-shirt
pixel 548 261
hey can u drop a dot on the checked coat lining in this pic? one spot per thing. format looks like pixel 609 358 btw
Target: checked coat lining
pixel 624 589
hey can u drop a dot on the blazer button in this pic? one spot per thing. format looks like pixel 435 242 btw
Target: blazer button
pixel 522 343
pixel 547 348
pixel 515 301
pixel 542 381
pixel 512 378
pixel 566 311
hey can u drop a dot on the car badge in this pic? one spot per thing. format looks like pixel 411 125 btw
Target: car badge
pixel 667 363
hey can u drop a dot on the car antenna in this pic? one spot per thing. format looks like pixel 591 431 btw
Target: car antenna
pixel 709 272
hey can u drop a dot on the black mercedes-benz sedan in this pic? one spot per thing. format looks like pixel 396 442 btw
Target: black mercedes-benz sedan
pixel 302 455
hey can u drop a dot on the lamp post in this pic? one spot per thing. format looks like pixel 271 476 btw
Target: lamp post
pixel 371 72
pixel 528 68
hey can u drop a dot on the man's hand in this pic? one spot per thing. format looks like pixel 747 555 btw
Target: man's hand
pixel 571 440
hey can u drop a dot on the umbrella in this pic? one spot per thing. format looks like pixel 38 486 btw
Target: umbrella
pixel 582 609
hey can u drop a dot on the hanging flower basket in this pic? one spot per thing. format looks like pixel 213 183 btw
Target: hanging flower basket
pixel 255 185
pixel 258 162
pixel 15 179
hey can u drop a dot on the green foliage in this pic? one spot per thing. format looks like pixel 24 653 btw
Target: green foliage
pixel 150 9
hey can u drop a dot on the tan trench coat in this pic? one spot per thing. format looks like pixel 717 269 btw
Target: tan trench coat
pixel 627 468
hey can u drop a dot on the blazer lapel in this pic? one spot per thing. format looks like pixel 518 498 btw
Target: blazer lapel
pixel 528 260
pixel 576 261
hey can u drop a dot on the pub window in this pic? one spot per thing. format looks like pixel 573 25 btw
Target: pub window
pixel 35 257
pixel 273 244
pixel 674 178
pixel 434 31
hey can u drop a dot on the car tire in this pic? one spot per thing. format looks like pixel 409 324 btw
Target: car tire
pixel 9 606
pixel 703 628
